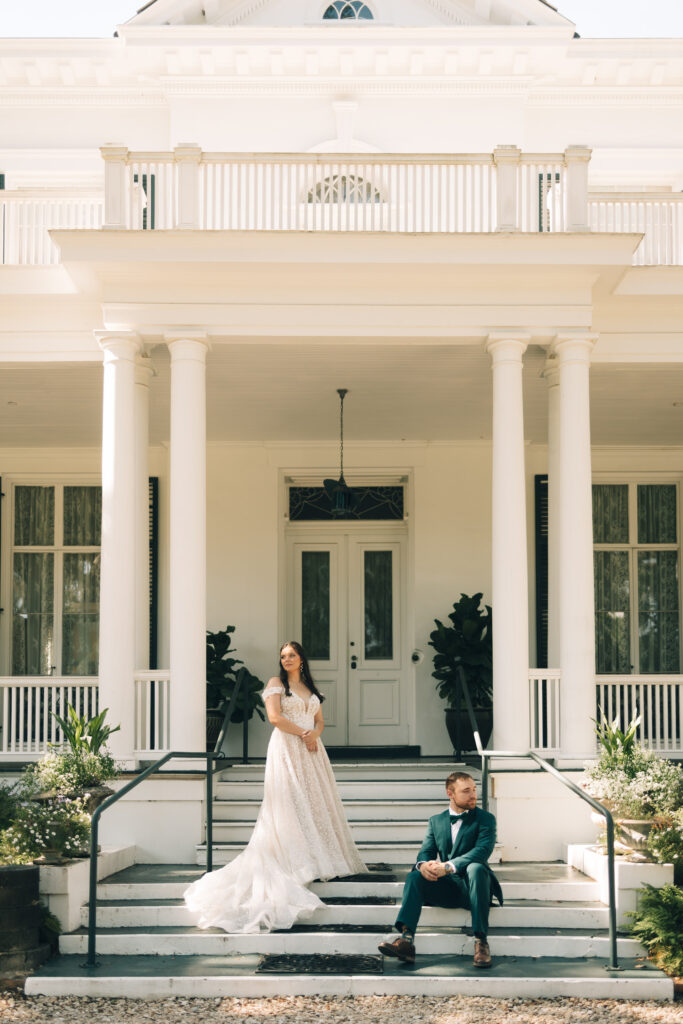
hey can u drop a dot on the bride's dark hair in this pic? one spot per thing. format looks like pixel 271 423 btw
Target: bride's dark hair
pixel 305 672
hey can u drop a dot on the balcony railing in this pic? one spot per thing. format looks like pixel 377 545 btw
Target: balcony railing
pixel 28 726
pixel 189 189
pixel 658 700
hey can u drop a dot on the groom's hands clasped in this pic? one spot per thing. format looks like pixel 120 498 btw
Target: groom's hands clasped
pixel 432 870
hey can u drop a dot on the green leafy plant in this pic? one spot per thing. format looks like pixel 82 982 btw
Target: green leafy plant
pixel 59 824
pixel 9 804
pixel 665 842
pixel 643 786
pixel 618 747
pixel 465 644
pixel 73 773
pixel 224 672
pixel 658 924
pixel 83 734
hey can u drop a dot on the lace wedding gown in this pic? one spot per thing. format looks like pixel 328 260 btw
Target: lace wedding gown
pixel 301 833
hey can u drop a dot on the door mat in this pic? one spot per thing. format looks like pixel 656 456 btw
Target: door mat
pixel 319 963
pixel 353 901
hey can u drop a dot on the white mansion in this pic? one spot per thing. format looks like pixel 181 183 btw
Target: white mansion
pixel 458 210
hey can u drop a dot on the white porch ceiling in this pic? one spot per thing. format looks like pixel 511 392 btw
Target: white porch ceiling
pixel 283 392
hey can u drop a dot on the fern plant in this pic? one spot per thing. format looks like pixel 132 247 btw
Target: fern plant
pixel 658 924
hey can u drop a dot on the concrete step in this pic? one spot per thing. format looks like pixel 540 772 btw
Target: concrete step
pixel 363 831
pixel 357 810
pixel 514 914
pixel 307 940
pixel 394 852
pixel 350 789
pixel 539 881
pixel 435 771
pixel 207 976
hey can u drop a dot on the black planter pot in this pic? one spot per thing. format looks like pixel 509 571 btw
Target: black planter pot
pixel 20 947
pixel 460 730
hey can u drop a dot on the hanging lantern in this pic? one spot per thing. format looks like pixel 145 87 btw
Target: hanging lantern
pixel 340 494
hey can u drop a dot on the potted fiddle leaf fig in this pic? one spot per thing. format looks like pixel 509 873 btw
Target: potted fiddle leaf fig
pixel 223 673
pixel 465 644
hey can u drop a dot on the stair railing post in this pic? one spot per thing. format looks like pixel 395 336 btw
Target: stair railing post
pixel 209 811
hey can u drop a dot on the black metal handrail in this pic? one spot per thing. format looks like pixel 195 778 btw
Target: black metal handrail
pixel 486 755
pixel 208 756
pixel 226 722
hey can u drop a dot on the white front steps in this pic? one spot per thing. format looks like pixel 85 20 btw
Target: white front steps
pixel 549 939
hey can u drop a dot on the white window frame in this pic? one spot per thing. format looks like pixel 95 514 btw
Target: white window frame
pixel 632 547
pixel 9 484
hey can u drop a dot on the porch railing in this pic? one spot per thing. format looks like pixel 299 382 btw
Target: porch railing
pixel 659 216
pixel 506 190
pixel 657 699
pixel 544 710
pixel 152 712
pixel 27 725
pixel 27 217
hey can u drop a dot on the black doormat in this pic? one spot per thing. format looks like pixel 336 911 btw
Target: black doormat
pixel 398 753
pixel 319 963
pixel 352 901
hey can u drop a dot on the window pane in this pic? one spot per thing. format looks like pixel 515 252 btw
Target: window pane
pixel 34 515
pixel 82 515
pixel 610 514
pixel 315 604
pixel 612 612
pixel 378 601
pixel 657 514
pixel 81 617
pixel 32 614
pixel 658 611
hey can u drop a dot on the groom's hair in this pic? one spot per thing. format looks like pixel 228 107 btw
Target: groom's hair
pixel 455 777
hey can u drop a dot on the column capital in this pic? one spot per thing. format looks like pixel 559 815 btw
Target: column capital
pixel 507 346
pixel 119 344
pixel 507 155
pixel 579 154
pixel 573 346
pixel 183 345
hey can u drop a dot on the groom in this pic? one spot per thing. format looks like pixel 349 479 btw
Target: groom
pixel 452 871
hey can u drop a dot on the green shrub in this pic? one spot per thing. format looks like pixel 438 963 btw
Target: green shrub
pixel 9 802
pixel 85 735
pixel 658 924
pixel 665 842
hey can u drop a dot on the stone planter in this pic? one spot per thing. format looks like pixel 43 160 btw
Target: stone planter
pixel 633 833
pixel 20 947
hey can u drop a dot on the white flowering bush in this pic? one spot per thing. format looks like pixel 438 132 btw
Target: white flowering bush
pixel 646 786
pixel 59 823
pixel 72 773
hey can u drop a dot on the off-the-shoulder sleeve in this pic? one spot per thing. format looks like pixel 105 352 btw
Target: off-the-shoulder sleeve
pixel 271 691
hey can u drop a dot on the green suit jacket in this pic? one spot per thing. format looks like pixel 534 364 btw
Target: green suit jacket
pixel 474 843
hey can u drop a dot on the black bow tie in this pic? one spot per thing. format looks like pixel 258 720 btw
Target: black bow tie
pixel 458 817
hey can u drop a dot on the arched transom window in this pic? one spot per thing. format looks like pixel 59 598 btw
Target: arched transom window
pixel 344 188
pixel 348 10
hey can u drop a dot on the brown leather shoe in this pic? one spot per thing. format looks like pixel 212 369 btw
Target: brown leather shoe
pixel 482 953
pixel 402 949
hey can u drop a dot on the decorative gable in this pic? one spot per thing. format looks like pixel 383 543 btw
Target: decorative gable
pixel 342 14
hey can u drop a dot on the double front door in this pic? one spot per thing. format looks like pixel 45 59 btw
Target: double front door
pixel 346 602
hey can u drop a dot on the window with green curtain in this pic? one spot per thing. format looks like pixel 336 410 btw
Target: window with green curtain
pixel 612 612
pixel 610 514
pixel 658 620
pixel 33 650
pixel 657 514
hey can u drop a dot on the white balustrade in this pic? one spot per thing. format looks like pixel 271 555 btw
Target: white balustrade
pixel 541 193
pixel 659 217
pixel 26 217
pixel 657 699
pixel 544 709
pixel 27 705
pixel 152 712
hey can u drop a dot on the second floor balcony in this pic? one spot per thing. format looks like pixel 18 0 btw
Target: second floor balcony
pixel 189 189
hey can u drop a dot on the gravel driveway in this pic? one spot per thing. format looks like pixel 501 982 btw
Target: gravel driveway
pixel 361 1010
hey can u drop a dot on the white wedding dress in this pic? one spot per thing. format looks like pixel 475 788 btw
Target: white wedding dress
pixel 301 834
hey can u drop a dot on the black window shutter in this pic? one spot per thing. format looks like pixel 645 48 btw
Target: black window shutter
pixel 153 568
pixel 541 522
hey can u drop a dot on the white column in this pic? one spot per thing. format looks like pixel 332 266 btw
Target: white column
pixel 506 159
pixel 187 157
pixel 510 594
pixel 117 578
pixel 552 377
pixel 577 159
pixel 576 597
pixel 143 375
pixel 188 541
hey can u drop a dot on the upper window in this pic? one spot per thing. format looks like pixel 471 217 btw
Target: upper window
pixel 348 10
pixel 344 188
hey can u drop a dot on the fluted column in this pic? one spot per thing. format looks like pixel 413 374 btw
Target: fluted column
pixel 576 596
pixel 509 548
pixel 143 375
pixel 552 378
pixel 117 579
pixel 188 541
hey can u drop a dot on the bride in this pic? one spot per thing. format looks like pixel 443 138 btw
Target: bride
pixel 301 832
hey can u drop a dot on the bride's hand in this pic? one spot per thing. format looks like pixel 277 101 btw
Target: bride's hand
pixel 310 740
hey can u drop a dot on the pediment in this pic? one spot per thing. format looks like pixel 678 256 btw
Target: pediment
pixel 310 13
